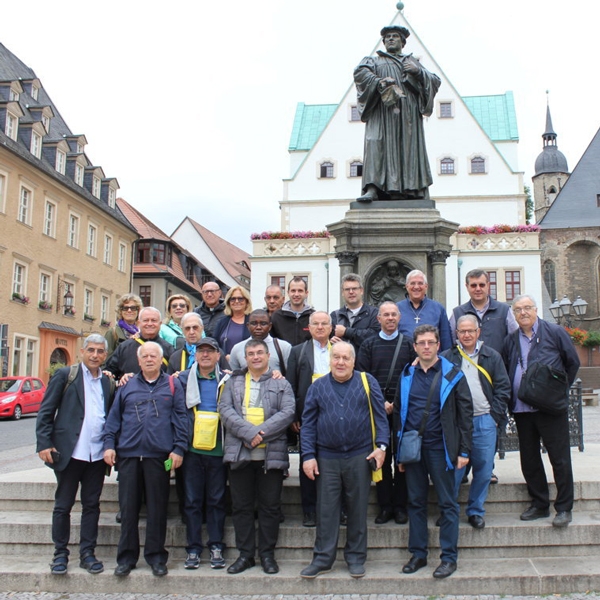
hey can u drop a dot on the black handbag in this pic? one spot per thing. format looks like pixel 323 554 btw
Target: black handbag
pixel 545 388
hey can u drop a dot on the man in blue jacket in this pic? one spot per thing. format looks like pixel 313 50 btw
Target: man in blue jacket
pixel 435 401
pixel 146 433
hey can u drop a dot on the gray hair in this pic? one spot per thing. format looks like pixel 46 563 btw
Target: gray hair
pixel 333 346
pixel 189 315
pixel 468 317
pixel 95 338
pixel 388 303
pixel 149 308
pixel 319 312
pixel 414 273
pixel 352 277
pixel 522 297
pixel 150 345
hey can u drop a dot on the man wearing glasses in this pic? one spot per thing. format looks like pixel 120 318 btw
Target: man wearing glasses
pixel 355 321
pixel 539 341
pixel 211 308
pixel 434 401
pixel 496 318
pixel 490 390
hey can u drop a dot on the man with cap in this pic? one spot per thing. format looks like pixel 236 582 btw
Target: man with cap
pixel 395 92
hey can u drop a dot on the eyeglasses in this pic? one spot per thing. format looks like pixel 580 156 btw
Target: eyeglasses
pixel 130 309
pixel 477 285
pixel 178 305
pixel 466 331
pixel 210 291
pixel 237 299
pixel 352 289
pixel 259 323
pixel 524 309
pixel 425 343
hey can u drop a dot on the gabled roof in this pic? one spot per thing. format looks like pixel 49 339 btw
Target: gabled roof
pixel 309 122
pixel 145 228
pixel 496 115
pixel 577 203
pixel 230 256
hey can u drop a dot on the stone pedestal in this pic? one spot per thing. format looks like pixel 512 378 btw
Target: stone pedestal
pixel 373 240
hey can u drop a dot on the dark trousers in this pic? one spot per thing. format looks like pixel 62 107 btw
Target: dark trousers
pixel 252 485
pixel 392 493
pixel 340 479
pixel 553 431
pixel 432 464
pixel 139 476
pixel 91 477
pixel 204 480
pixel 308 492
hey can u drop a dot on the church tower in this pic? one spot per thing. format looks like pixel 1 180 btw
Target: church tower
pixel 551 172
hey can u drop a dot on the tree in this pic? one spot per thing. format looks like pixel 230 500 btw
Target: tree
pixel 528 205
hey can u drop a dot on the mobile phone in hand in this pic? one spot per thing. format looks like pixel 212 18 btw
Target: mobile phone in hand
pixel 168 464
pixel 55 454
pixel 373 464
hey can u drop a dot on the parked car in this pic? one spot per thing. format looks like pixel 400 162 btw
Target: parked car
pixel 20 396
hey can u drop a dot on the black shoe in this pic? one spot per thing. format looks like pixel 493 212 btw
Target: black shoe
pixel 241 564
pixel 313 571
pixel 438 522
pixel 281 517
pixel 159 569
pixel 494 479
pixel 533 513
pixel 562 518
pixel 118 517
pixel 384 516
pixel 444 570
pixel 414 564
pixel 476 522
pixel 343 518
pixel 91 564
pixel 400 517
pixel 465 479
pixel 309 519
pixel 123 570
pixel 356 570
pixel 269 565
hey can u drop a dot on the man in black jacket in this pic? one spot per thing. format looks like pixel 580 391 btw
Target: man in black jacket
pixel 69 440
pixel 290 322
pixel 356 321
pixel 490 390
pixel 212 306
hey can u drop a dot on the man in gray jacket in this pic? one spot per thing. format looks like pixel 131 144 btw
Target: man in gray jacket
pixel 256 411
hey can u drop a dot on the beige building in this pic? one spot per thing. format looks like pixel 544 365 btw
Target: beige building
pixel 65 248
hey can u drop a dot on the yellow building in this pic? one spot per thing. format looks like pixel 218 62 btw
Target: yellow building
pixel 65 248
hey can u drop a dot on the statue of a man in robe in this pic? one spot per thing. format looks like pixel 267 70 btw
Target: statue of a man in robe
pixel 395 92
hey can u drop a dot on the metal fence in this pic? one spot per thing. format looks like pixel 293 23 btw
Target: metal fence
pixel 508 440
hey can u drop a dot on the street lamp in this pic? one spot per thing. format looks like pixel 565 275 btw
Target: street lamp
pixel 562 309
pixel 67 298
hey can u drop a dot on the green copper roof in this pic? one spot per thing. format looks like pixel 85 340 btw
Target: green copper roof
pixel 496 115
pixel 309 122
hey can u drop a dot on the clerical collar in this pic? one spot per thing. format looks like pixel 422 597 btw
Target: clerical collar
pixel 385 336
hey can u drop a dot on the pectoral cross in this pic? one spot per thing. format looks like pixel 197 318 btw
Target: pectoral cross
pixel 417 319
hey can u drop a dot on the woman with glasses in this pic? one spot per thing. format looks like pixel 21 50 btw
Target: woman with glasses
pixel 232 329
pixel 128 308
pixel 177 305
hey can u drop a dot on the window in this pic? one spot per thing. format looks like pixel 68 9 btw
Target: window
pixel 146 295
pixel 96 184
pixel 19 279
pixel 13 96
pixel 446 110
pixel 45 288
pixel 79 148
pixel 108 249
pixel 88 303
pixel 112 197
pixel 478 164
pixel 50 219
pixel 447 166
pixel 36 144
pixel 122 257
pixel 354 114
pixel 513 284
pixel 73 239
pixel 24 356
pixel 326 170
pixel 11 127
pixel 493 284
pixel 78 174
pixel 25 200
pixel 46 122
pixel 356 169
pixel 104 309
pixel 34 92
pixel 91 240
pixel 2 191
pixel 550 279
pixel 278 280
pixel 153 252
pixel 61 161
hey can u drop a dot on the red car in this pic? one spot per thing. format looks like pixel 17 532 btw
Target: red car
pixel 20 396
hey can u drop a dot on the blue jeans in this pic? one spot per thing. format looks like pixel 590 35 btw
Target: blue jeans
pixel 204 479
pixel 483 450
pixel 432 464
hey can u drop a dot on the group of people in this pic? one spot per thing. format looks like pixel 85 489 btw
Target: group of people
pixel 397 393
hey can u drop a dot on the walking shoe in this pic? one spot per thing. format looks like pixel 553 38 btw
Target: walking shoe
pixel 216 558
pixel 309 519
pixel 533 512
pixel 313 571
pixel 357 571
pixel 444 570
pixel 192 561
pixel 562 518
pixel 476 521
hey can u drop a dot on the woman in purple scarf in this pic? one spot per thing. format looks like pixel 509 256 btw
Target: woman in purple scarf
pixel 128 307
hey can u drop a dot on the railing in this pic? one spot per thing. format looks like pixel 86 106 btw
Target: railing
pixel 508 441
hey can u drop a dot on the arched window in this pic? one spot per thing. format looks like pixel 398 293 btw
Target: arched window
pixel 327 170
pixel 447 166
pixel 356 169
pixel 478 164
pixel 550 279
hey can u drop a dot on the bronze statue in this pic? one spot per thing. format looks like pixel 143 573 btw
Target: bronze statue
pixel 394 93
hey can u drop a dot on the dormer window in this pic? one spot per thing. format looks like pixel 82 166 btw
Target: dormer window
pixel 12 126
pixel 79 174
pixel 112 197
pixel 96 186
pixel 34 92
pixel 61 161
pixel 14 96
pixel 36 144
pixel 79 148
pixel 46 122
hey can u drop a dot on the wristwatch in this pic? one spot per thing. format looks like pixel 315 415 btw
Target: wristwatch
pixel 382 447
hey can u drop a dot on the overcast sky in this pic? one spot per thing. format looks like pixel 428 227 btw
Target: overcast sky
pixel 190 104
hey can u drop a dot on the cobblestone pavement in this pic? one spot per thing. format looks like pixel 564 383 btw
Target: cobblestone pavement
pixel 64 596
